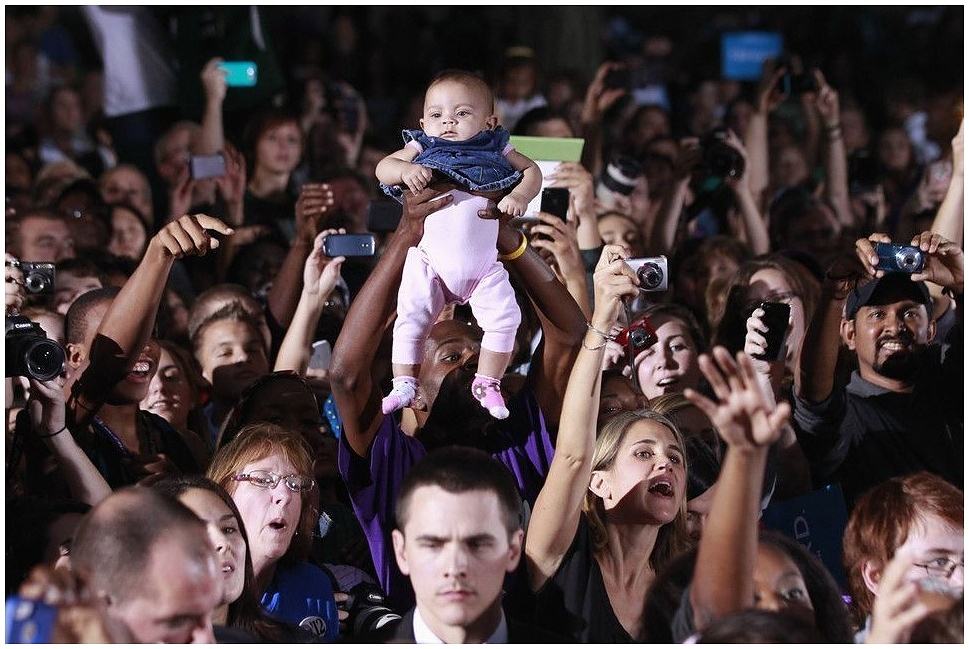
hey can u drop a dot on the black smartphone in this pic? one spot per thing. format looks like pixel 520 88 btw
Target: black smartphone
pixel 350 245
pixel 206 166
pixel 555 201
pixel 776 316
pixel 383 216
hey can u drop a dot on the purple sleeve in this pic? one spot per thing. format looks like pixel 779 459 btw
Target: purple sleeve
pixel 525 445
pixel 372 483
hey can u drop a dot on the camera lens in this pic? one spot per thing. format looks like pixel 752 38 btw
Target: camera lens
pixel 44 359
pixel 909 260
pixel 35 283
pixel 637 337
pixel 650 275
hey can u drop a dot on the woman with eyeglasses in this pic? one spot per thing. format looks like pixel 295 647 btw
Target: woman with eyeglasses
pixel 268 472
pixel 904 553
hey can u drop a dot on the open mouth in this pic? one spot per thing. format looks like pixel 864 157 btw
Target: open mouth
pixel 666 382
pixel 228 569
pixel 277 524
pixel 662 487
pixel 140 371
pixel 894 345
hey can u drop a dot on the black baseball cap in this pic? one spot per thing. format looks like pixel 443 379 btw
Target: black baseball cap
pixel 899 283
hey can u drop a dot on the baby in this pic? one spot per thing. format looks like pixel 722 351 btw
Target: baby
pixel 456 259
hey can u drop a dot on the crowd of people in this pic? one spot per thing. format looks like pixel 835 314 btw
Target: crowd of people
pixel 565 427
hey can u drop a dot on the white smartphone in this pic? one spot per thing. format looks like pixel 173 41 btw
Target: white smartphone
pixel 320 360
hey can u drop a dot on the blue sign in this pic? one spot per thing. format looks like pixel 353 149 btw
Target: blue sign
pixel 817 521
pixel 742 54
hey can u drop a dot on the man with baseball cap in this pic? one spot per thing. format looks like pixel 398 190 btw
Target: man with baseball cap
pixel 901 409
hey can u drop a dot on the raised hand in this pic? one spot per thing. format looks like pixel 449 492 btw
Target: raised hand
pixel 769 93
pixel 213 80
pixel 741 413
pixel 232 185
pixel 944 263
pixel 899 607
pixel 13 285
pixel 614 282
pixel 315 200
pixel 560 242
pixel 187 236
pixel 180 196
pixel 598 98
pixel 48 413
pixel 321 273
pixel 827 101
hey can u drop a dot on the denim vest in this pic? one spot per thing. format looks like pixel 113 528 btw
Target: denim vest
pixel 477 164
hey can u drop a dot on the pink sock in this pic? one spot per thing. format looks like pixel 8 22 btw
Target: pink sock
pixel 487 390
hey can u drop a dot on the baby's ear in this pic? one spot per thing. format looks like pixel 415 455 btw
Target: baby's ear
pixel 492 122
pixel 421 122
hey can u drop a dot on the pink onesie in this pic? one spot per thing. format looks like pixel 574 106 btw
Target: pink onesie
pixel 455 261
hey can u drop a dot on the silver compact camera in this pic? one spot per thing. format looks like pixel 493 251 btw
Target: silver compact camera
pixel 652 272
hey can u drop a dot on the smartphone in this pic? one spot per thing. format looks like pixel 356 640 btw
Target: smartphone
pixel 350 245
pixel 206 166
pixel 776 317
pixel 320 360
pixel 555 200
pixel 239 74
pixel 29 621
pixel 383 216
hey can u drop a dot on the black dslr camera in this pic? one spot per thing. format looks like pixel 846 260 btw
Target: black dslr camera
pixel 38 276
pixel 367 609
pixel 719 159
pixel 30 352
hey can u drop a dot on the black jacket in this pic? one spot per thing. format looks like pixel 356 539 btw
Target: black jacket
pixel 402 631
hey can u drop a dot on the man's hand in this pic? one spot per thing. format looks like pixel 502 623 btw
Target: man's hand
pixel 213 80
pixel 48 413
pixel 315 199
pixel 13 285
pixel 944 263
pixel 741 413
pixel 187 236
pixel 418 206
pixel 416 177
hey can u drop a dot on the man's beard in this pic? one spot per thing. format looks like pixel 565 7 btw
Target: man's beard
pixel 901 366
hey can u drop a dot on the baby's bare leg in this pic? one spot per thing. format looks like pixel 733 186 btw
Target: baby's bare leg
pixel 402 369
pixel 491 364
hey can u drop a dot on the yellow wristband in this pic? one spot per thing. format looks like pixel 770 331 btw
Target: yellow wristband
pixel 518 252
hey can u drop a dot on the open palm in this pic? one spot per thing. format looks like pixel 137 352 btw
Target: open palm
pixel 742 414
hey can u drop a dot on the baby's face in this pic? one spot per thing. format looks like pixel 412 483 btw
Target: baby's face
pixel 456 111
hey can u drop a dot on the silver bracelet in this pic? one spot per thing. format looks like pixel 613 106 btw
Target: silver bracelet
pixel 604 335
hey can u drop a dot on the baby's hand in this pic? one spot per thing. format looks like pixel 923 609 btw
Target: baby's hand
pixel 512 205
pixel 416 177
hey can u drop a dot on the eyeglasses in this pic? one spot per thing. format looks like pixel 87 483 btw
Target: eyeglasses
pixel 941 567
pixel 269 480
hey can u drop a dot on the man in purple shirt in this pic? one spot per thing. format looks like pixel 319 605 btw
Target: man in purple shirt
pixel 376 452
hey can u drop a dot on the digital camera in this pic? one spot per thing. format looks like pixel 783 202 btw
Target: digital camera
pixel 620 177
pixel 30 352
pixel 899 259
pixel 367 609
pixel 652 272
pixel 719 159
pixel 38 276
pixel 639 335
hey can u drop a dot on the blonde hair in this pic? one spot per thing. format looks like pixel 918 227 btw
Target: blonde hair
pixel 258 441
pixel 672 537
